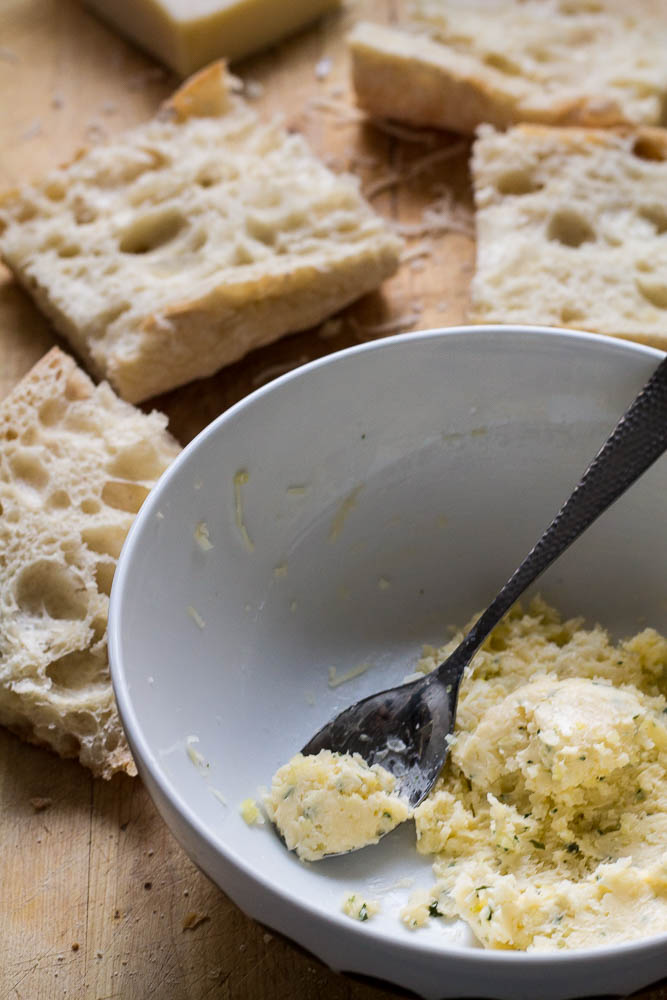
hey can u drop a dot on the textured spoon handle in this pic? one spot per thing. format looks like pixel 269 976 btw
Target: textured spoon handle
pixel 639 438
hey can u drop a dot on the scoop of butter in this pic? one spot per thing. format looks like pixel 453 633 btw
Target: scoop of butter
pixel 330 803
pixel 187 34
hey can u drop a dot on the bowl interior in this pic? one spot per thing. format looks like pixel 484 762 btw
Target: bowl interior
pixel 355 509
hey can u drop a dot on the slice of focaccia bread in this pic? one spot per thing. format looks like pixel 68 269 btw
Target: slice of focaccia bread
pixel 457 63
pixel 572 229
pixel 185 243
pixel 76 463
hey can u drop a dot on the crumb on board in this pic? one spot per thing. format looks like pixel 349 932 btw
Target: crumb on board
pixel 322 68
pixel 40 802
pixel 253 89
pixel 194 919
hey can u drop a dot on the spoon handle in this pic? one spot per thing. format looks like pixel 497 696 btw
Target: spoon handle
pixel 638 440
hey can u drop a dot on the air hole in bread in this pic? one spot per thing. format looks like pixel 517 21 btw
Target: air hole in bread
pixel 208 179
pixel 654 292
pixel 73 671
pixel 656 215
pixel 29 468
pixel 69 250
pixel 83 723
pixel 198 241
pixel 540 54
pixel 243 254
pixel 99 627
pixel 138 461
pixel 124 496
pixel 10 434
pixel 91 505
pixel 111 742
pixel 55 190
pixel 83 212
pixel 27 212
pixel 499 61
pixel 51 412
pixel 517 182
pixel 49 588
pixel 104 572
pixel 77 387
pixel 151 232
pixel 69 745
pixel 569 314
pixel 58 500
pixel 646 147
pixel 645 266
pixel 106 540
pixel 263 232
pixel 570 228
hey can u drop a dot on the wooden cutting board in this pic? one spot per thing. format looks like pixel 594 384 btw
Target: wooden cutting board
pixel 98 901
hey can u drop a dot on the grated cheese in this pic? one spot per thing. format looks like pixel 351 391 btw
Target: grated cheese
pixel 196 617
pixel 341 515
pixel 202 537
pixel 240 479
pixel 335 680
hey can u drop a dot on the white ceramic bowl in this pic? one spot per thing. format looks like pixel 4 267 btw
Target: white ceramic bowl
pixel 431 461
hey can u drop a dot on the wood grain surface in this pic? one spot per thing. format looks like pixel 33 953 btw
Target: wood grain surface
pixel 98 901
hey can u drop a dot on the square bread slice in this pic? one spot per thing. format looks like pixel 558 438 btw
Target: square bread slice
pixel 76 463
pixel 572 229
pixel 457 63
pixel 192 239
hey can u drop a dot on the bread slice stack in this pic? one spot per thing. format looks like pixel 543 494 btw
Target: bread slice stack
pixel 455 64
pixel 76 462
pixel 572 229
pixel 187 242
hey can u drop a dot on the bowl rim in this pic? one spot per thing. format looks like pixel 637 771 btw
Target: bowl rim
pixel 133 728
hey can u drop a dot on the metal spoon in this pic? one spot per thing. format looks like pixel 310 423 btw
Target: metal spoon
pixel 405 728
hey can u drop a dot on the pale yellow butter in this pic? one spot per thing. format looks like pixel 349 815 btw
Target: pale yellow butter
pixel 330 803
pixel 187 34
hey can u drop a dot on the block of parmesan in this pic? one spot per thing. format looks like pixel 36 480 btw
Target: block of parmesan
pixel 188 241
pixel 76 462
pixel 571 229
pixel 454 64
pixel 188 34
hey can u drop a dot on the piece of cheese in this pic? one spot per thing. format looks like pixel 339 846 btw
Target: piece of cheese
pixel 187 34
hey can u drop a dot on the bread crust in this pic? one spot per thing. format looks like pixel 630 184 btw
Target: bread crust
pixel 206 94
